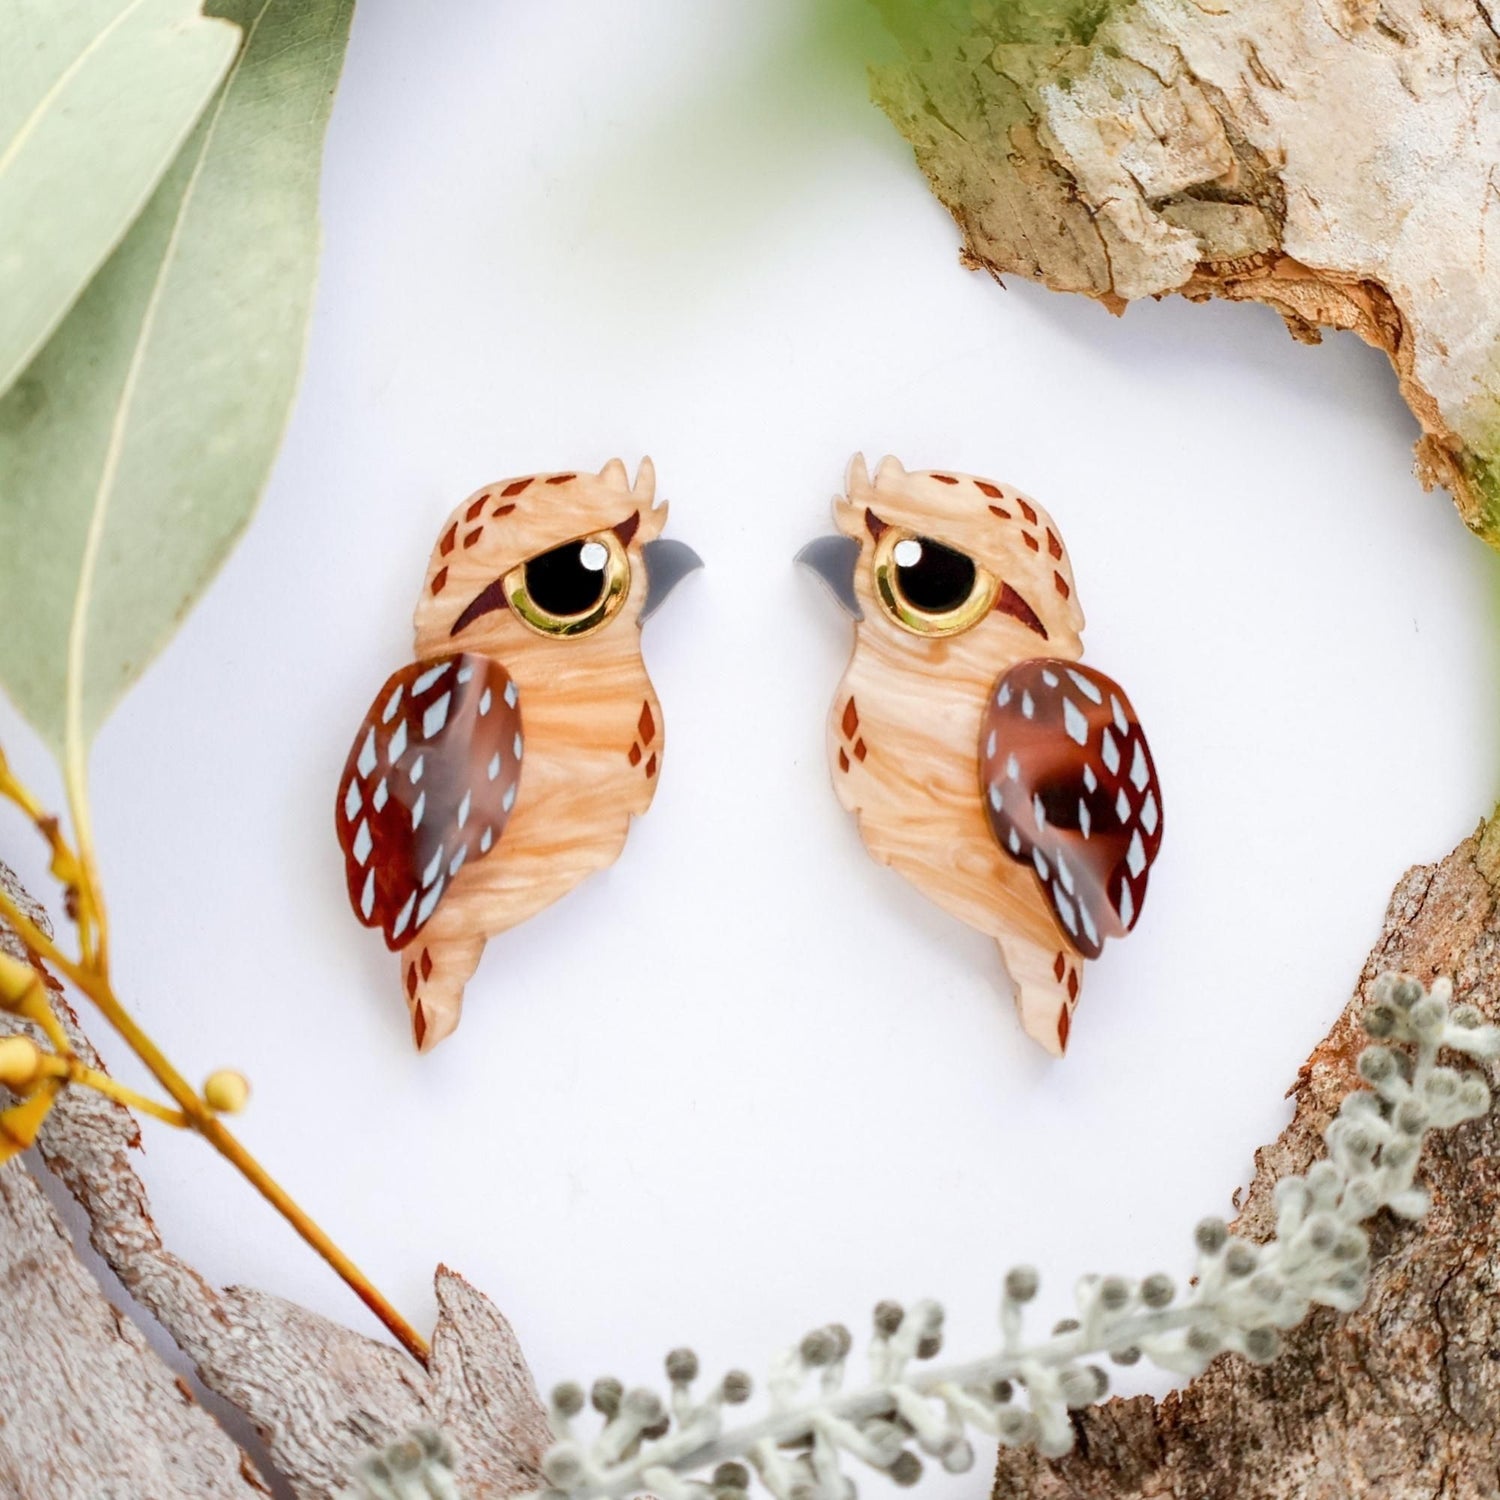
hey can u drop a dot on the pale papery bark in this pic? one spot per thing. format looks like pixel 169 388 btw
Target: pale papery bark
pixel 318 1394
pixel 1400 1399
pixel 1336 159
pixel 90 1409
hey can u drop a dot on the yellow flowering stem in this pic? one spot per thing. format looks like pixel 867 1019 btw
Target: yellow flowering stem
pixel 90 892
pixel 82 893
pixel 73 1071
pixel 23 1065
pixel 35 1008
pixel 20 1123
pixel 38 941
pixel 200 1117
pixel 91 977
pixel 24 992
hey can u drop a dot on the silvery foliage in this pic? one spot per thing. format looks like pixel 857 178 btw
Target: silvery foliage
pixel 908 1409
pixel 416 1467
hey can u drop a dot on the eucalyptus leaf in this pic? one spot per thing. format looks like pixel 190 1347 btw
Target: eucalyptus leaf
pixel 134 448
pixel 96 98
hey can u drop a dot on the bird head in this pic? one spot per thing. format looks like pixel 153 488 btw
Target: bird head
pixel 921 558
pixel 526 569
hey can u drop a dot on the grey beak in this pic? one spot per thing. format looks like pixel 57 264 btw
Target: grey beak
pixel 833 559
pixel 668 562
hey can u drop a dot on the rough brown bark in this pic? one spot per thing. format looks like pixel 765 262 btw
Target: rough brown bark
pixel 318 1394
pixel 1336 159
pixel 1401 1399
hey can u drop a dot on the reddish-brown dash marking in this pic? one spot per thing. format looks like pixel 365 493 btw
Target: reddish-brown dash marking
pixel 1011 603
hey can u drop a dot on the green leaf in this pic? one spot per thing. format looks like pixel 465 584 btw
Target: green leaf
pixel 134 448
pixel 96 98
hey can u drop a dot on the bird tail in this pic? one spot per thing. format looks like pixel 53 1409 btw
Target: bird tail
pixel 434 972
pixel 1047 984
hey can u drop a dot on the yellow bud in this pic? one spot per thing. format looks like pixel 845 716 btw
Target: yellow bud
pixel 16 979
pixel 226 1092
pixel 20 1123
pixel 20 1062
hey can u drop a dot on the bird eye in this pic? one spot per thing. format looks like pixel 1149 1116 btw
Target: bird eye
pixel 928 587
pixel 573 589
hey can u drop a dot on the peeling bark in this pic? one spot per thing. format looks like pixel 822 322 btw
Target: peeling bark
pixel 319 1395
pixel 1400 1399
pixel 90 1409
pixel 1338 160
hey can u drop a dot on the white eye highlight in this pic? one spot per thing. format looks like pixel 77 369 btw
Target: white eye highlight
pixel 908 552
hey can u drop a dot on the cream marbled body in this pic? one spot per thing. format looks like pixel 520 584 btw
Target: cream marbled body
pixel 905 762
pixel 591 720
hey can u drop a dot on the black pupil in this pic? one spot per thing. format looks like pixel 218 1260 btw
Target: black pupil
pixel 559 583
pixel 938 579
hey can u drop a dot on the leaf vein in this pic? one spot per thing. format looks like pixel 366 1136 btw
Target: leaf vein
pixel 63 79
pixel 74 741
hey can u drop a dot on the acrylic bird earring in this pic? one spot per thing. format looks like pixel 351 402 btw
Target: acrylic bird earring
pixel 505 763
pixel 1009 783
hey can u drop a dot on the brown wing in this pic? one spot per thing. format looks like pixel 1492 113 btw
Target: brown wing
pixel 1070 788
pixel 429 785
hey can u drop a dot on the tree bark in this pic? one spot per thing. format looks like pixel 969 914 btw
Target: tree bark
pixel 1336 159
pixel 319 1394
pixel 1400 1399
pixel 90 1410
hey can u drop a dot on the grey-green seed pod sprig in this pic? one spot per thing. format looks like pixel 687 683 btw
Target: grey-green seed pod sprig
pixel 910 1413
pixel 418 1466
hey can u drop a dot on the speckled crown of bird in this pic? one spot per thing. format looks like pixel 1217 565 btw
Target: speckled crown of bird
pixel 506 761
pixel 1007 781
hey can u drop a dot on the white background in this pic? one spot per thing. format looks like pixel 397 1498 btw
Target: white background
pixel 747 1081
